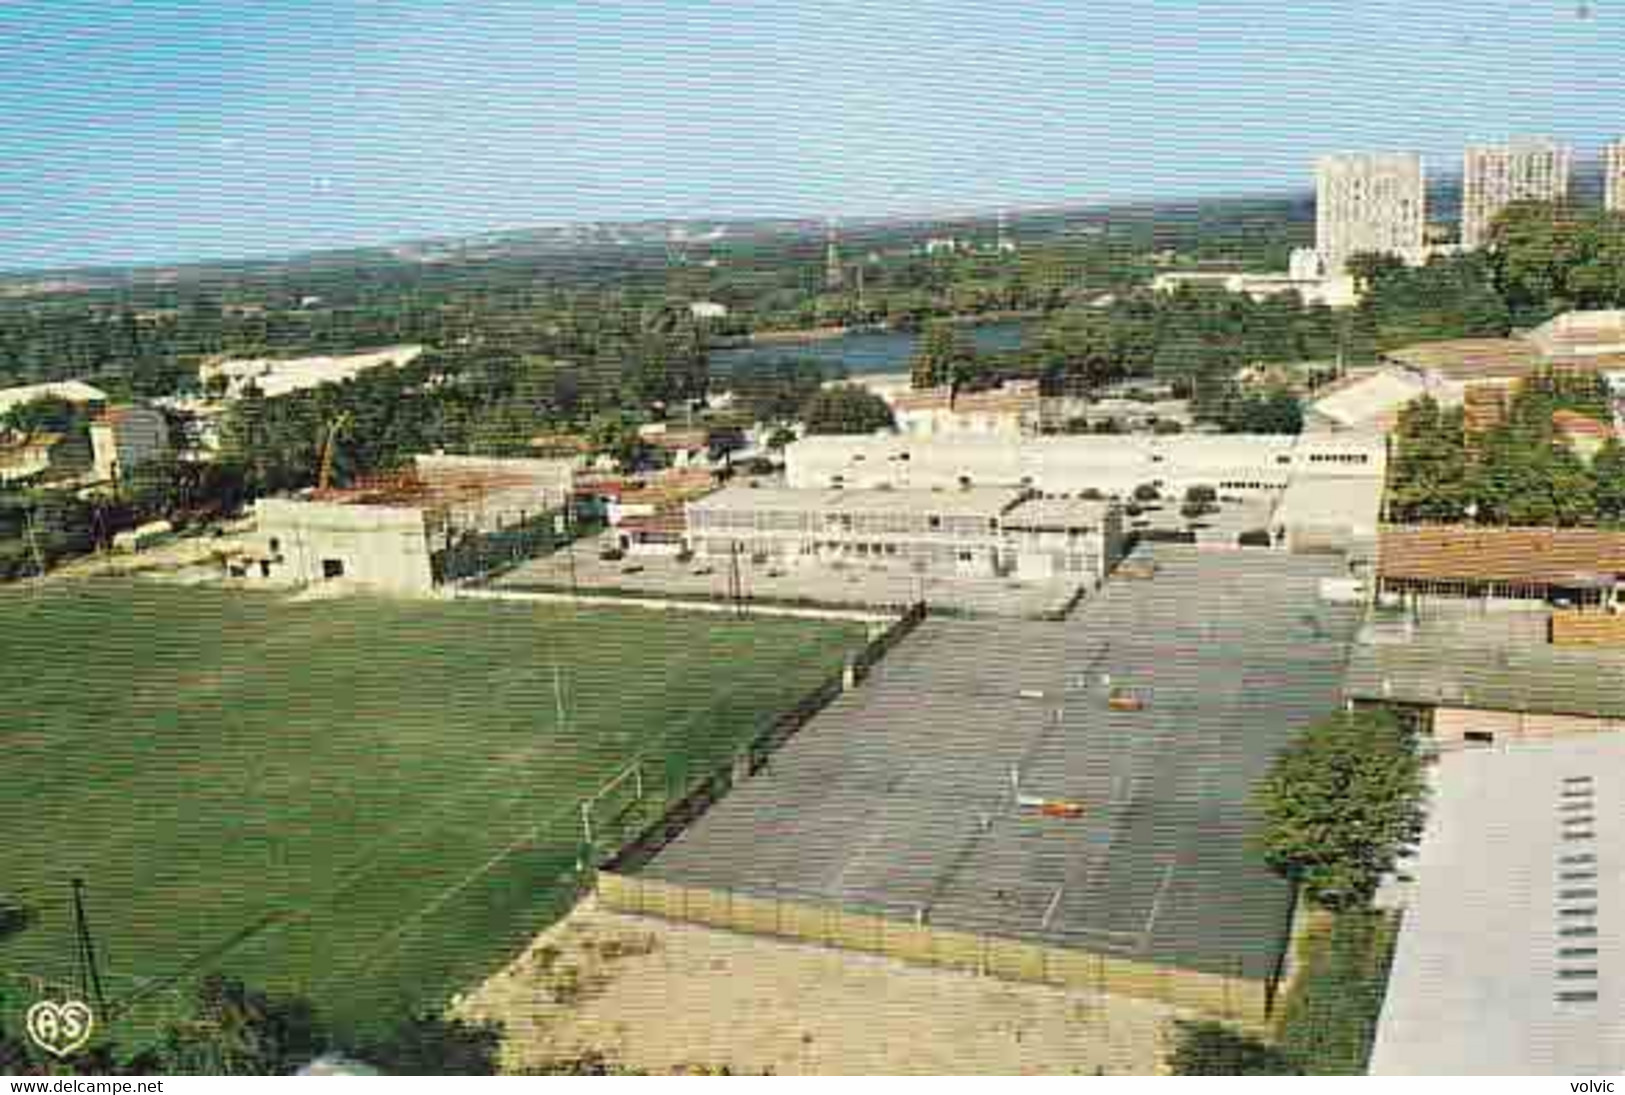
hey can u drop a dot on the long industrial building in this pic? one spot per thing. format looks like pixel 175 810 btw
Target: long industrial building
pixel 1325 489
pixel 1508 953
pixel 1111 465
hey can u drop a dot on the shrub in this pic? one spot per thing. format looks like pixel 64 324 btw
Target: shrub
pixel 1208 1048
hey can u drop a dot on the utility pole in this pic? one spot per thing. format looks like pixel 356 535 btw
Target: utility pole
pixel 558 696
pixel 33 544
pixel 570 542
pixel 90 978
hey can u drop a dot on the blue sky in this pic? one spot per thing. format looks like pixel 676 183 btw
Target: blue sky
pixel 160 131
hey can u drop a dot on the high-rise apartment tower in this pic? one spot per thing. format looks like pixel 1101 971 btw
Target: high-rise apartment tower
pixel 1614 172
pixel 1495 176
pixel 1369 202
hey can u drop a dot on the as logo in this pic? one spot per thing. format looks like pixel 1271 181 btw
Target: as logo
pixel 61 1029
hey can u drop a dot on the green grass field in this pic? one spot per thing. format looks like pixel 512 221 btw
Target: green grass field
pixel 391 782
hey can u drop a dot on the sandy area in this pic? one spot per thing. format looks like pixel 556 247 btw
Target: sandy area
pixel 660 996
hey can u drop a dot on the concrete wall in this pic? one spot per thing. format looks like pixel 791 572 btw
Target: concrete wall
pixel 1588 629
pixel 1229 998
pixel 122 443
pixel 376 547
pixel 492 493
pixel 1452 725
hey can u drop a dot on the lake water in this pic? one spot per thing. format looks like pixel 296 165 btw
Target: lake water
pixel 864 353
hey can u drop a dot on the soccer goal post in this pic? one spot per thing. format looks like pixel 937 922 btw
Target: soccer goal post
pixel 605 812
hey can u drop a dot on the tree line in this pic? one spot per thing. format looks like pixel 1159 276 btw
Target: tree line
pixel 1519 471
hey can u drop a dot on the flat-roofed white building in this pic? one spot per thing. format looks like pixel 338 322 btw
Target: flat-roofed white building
pixel 1235 464
pixel 1074 538
pixel 1330 513
pixel 1369 402
pixel 1369 203
pixel 446 519
pixel 1495 176
pixel 1507 957
pixel 971 531
pixel 1014 409
pixel 309 542
pixel 952 530
pixel 281 376
pixel 68 391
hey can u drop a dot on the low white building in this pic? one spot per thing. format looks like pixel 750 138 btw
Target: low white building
pixel 450 517
pixel 306 541
pixel 1233 464
pixel 125 437
pixel 1073 538
pixel 1334 291
pixel 1014 409
pixel 972 531
pixel 68 391
pixel 280 376
pixel 1371 401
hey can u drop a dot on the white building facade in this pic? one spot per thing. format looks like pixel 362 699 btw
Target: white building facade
pixel 981 532
pixel 1369 202
pixel 1614 177
pixel 1495 176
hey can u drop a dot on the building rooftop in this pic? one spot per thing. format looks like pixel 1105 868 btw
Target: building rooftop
pixel 1470 358
pixel 903 797
pixel 1354 502
pixel 1526 556
pixel 280 376
pixel 453 482
pixel 1374 398
pixel 1507 954
pixel 1575 424
pixel 1497 661
pixel 1059 513
pixel 1581 334
pixel 967 501
pixel 70 391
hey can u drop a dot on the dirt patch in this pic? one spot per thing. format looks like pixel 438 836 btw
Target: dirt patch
pixel 662 997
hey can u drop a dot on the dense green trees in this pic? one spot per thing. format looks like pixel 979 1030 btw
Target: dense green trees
pixel 944 356
pixel 1341 805
pixel 1519 472
pixel 1449 297
pixel 1328 1023
pixel 1427 479
pixel 1278 411
pixel 1550 258
pixel 846 408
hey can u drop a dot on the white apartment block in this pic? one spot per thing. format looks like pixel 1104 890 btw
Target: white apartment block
pixel 1614 172
pixel 1369 202
pixel 1495 176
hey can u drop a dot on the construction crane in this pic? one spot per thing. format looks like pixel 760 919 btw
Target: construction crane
pixel 335 427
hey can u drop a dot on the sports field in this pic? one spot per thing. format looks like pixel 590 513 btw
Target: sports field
pixel 386 790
